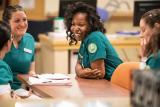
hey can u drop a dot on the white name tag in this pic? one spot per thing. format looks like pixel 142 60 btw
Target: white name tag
pixel 27 50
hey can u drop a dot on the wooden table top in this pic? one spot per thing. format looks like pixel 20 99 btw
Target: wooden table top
pixel 80 88
pixel 59 102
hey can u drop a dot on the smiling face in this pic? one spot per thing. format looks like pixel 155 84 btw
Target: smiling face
pixel 18 23
pixel 80 26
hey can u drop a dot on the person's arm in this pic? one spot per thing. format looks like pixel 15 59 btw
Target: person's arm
pixel 100 66
pixel 79 69
pixel 5 96
pixel 87 72
pixel 5 91
pixel 8 96
pixel 32 68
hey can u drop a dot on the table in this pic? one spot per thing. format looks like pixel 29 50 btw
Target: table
pixel 80 102
pixel 80 88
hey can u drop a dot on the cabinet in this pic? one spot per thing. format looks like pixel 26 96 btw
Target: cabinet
pixel 54 55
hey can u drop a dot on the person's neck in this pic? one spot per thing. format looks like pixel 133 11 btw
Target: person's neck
pixel 2 54
pixel 16 40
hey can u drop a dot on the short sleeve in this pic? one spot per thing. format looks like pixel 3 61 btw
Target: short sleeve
pixel 153 62
pixel 33 48
pixel 96 49
pixel 33 57
pixel 6 75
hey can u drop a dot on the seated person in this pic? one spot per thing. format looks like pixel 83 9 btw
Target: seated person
pixel 21 56
pixel 150 38
pixel 97 59
pixel 5 71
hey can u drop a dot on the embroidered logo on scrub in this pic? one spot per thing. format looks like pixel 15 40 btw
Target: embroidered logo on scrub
pixel 92 47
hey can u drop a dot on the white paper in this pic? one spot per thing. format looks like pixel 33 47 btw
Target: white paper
pixel 46 79
pixel 55 76
pixel 21 92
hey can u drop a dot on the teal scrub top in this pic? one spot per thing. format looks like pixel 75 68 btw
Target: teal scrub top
pixel 5 73
pixel 154 61
pixel 96 46
pixel 19 59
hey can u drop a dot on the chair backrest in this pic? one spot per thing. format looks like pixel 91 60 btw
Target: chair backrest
pixel 122 74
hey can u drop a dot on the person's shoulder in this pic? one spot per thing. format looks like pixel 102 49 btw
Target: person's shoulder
pixel 3 65
pixel 28 36
pixel 153 61
pixel 153 58
pixel 5 72
pixel 2 62
pixel 96 35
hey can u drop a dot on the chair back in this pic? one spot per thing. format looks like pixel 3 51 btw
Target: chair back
pixel 122 74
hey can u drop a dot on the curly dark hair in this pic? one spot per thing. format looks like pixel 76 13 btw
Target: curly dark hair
pixel 95 23
pixel 151 18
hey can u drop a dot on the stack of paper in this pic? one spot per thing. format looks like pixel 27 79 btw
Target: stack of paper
pixel 56 76
pixel 50 79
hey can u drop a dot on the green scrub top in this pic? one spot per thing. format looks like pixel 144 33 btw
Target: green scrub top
pixel 5 73
pixel 96 46
pixel 154 61
pixel 19 59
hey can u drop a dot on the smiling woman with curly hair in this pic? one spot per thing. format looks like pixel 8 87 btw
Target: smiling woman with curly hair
pixel 92 18
pixel 97 58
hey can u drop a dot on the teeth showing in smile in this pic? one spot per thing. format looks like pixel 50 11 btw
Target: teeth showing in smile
pixel 77 35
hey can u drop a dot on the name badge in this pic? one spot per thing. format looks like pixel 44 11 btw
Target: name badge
pixel 27 50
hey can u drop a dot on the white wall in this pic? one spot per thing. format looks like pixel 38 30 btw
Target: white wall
pixel 52 6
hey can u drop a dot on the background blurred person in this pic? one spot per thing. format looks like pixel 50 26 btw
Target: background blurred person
pixel 150 38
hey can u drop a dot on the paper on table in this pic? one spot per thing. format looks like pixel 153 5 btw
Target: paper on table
pixel 55 76
pixel 22 92
pixel 44 81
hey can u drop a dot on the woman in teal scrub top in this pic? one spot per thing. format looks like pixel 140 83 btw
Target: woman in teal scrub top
pixel 21 56
pixel 97 58
pixel 150 38
pixel 5 71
